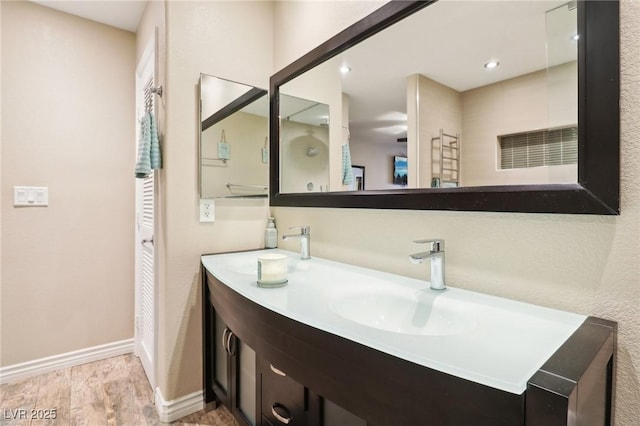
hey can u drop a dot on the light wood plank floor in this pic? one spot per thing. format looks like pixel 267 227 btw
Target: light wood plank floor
pixel 110 392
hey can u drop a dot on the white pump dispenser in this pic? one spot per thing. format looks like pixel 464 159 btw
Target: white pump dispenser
pixel 271 234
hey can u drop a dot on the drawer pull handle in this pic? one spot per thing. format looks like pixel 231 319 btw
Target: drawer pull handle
pixel 227 340
pixel 286 418
pixel 231 347
pixel 277 371
pixel 224 339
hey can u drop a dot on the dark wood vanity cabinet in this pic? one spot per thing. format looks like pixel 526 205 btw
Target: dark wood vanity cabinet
pixel 575 387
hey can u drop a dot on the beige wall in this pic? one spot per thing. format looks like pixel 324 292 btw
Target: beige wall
pixel 584 264
pixel 67 109
pixel 378 162
pixel 210 38
pixel 438 107
pixel 296 33
pixel 1 198
pixel 524 106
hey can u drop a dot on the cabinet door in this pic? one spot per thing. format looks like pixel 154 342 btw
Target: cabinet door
pixel 221 364
pixel 233 373
pixel 243 372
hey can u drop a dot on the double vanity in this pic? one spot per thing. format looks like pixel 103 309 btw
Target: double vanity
pixel 368 347
pixel 344 345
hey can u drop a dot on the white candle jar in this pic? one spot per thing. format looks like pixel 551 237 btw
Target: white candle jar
pixel 272 270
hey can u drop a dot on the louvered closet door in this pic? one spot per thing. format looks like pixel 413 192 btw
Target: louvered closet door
pixel 145 288
pixel 146 283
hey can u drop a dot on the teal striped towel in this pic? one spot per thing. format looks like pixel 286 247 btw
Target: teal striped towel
pixel 148 147
pixel 156 159
pixel 347 171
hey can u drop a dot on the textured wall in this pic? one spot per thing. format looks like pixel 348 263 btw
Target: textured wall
pixel 67 269
pixel 584 264
pixel 231 40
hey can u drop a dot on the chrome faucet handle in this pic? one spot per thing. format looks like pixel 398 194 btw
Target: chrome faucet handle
pixel 436 256
pixel 304 230
pixel 437 244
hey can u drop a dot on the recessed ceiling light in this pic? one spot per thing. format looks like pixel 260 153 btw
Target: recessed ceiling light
pixel 344 69
pixel 575 37
pixel 491 65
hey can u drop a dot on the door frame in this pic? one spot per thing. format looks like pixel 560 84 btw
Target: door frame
pixel 146 67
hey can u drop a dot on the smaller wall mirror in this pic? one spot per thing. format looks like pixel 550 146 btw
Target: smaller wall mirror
pixel 234 143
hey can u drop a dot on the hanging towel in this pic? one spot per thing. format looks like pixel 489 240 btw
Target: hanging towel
pixel 156 159
pixel 143 165
pixel 148 147
pixel 347 172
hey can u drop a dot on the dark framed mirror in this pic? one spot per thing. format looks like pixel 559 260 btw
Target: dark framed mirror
pixel 592 185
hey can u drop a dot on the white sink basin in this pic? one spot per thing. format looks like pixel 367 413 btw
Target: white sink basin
pixel 417 312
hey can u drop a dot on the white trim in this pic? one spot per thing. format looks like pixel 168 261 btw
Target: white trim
pixel 170 411
pixel 28 369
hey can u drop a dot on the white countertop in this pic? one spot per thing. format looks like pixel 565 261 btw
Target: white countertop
pixel 506 344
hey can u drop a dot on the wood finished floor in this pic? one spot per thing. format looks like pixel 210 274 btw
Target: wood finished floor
pixel 113 391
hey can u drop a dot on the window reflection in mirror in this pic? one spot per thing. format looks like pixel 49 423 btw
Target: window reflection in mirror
pixel 472 93
pixel 234 158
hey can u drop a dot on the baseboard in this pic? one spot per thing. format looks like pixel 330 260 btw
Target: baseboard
pixel 170 411
pixel 28 369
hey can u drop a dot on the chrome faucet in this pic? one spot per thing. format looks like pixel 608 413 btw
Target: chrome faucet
pixel 305 237
pixel 436 255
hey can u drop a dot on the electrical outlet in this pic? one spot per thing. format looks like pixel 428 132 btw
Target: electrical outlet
pixel 207 210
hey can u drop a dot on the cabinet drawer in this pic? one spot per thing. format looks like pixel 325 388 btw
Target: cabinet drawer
pixel 283 399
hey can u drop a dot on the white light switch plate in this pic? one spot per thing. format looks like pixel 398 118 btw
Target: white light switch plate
pixel 207 210
pixel 30 196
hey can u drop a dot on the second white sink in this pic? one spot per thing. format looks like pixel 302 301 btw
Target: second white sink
pixel 417 312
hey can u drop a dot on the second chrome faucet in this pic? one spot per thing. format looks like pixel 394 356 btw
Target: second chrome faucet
pixel 305 240
pixel 436 255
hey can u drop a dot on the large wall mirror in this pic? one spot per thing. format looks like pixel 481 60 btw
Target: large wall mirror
pixel 455 105
pixel 234 151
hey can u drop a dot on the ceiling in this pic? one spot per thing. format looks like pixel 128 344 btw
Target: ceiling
pixel 123 14
pixel 450 42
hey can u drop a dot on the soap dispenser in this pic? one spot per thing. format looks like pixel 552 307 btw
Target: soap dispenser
pixel 271 234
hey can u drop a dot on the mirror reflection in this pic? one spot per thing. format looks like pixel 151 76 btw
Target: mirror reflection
pixel 470 93
pixel 304 139
pixel 234 148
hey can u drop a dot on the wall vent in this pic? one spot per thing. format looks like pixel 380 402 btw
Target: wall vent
pixel 549 147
